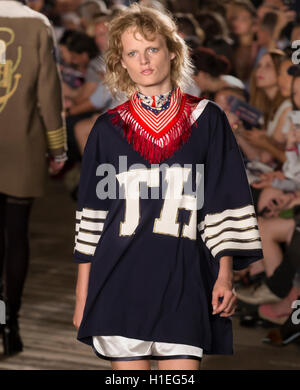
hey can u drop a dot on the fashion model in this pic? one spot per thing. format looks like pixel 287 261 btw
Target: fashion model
pixel 164 212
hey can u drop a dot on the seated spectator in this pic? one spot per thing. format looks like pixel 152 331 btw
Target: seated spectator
pixel 90 9
pixel 189 27
pixel 266 96
pixel 295 33
pixel 289 178
pixel 221 97
pixel 72 79
pixel 265 31
pixel 84 57
pixel 211 72
pixel 216 33
pixel 100 101
pixel 243 27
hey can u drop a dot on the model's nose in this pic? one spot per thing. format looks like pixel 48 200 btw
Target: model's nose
pixel 144 58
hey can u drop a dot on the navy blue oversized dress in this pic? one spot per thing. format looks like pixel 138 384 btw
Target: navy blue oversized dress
pixel 154 216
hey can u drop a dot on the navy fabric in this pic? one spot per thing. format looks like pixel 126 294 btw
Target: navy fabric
pixel 158 287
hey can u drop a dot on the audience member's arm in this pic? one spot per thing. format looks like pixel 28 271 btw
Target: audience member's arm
pixel 284 17
pixel 81 108
pixel 86 91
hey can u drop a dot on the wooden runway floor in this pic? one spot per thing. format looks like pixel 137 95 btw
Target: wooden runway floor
pixel 47 331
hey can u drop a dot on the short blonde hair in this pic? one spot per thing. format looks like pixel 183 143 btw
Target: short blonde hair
pixel 148 22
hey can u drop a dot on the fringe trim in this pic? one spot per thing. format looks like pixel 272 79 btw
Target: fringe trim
pixel 152 149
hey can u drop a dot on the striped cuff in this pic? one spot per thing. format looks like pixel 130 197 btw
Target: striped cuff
pixel 89 226
pixel 232 229
pixel 57 139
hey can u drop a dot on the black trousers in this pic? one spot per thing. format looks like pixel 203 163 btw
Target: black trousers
pixel 14 247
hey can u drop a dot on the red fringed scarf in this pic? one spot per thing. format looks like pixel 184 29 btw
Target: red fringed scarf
pixel 156 137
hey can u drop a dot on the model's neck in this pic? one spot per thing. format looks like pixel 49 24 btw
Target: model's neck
pixel 155 90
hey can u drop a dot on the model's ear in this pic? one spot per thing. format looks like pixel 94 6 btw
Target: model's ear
pixel 123 64
pixel 173 55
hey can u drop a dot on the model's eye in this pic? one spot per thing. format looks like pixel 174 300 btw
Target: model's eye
pixel 131 54
pixel 153 49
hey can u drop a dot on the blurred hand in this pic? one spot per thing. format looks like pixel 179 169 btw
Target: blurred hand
pixel 285 16
pixel 55 167
pixel 266 179
pixel 256 138
pixel 291 138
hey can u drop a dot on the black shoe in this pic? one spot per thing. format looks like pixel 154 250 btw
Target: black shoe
pixel 286 333
pixel 12 342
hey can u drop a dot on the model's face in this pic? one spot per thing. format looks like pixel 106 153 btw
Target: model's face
pixel 296 92
pixel 266 76
pixel 284 79
pixel 148 63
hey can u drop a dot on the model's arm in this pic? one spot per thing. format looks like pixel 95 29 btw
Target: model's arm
pixel 81 292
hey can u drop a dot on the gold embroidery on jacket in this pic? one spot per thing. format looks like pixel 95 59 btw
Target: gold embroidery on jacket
pixel 8 80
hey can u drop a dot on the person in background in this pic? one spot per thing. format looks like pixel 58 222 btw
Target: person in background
pixel 216 33
pixel 36 5
pixel 221 97
pixel 32 143
pixel 266 96
pixel 295 33
pixel 89 10
pixel 243 25
pixel 85 58
pixel 211 72
pixel 265 31
pixel 188 28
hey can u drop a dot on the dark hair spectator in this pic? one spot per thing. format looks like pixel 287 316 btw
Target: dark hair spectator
pixel 206 60
pixel 80 42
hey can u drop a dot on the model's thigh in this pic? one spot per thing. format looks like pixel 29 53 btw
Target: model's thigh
pixel 278 229
pixel 131 365
pixel 178 364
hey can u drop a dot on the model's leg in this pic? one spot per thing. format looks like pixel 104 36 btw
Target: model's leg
pixel 178 364
pixel 272 232
pixel 17 260
pixel 2 239
pixel 131 365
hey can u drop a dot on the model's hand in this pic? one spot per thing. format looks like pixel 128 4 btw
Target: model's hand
pixel 223 288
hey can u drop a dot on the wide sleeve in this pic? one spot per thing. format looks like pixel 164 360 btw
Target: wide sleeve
pixel 91 211
pixel 228 224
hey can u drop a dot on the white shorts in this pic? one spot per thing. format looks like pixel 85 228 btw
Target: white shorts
pixel 125 348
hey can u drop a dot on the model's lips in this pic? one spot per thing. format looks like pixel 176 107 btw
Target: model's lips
pixel 260 77
pixel 147 71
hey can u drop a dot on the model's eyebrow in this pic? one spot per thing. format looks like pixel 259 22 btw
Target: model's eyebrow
pixel 148 47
